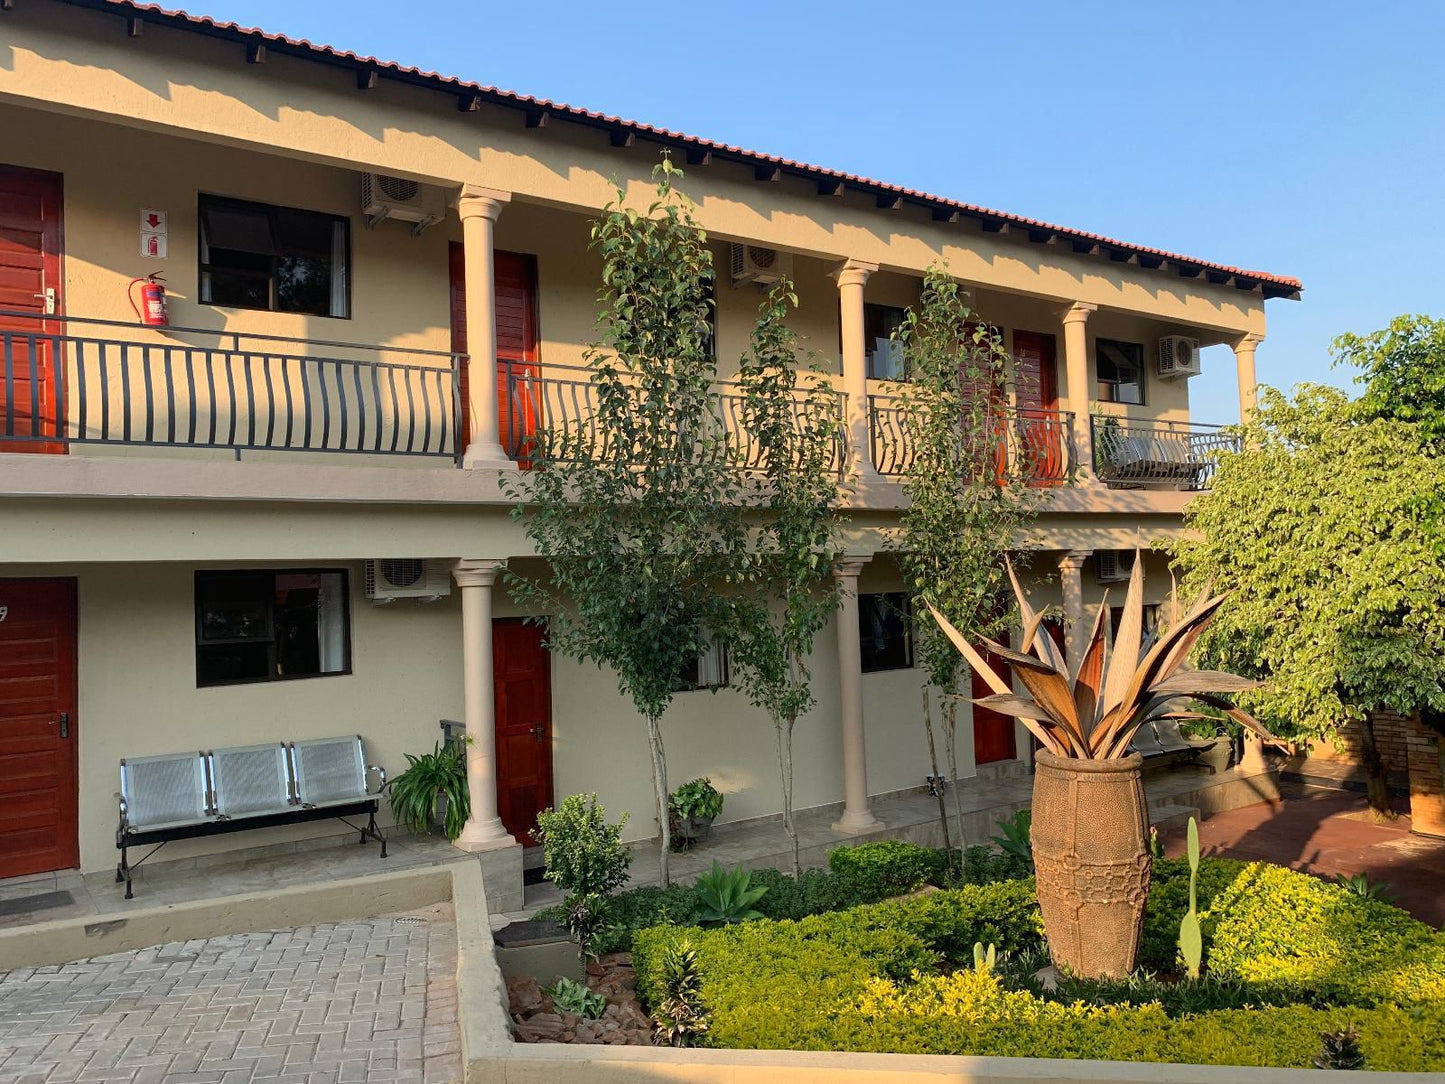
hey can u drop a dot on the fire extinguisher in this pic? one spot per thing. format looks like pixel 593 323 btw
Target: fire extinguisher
pixel 152 308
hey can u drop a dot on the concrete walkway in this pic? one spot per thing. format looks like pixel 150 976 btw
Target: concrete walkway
pixel 1328 833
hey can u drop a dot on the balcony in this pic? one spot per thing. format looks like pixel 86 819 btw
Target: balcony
pixel 561 400
pixel 1180 455
pixel 1036 445
pixel 107 382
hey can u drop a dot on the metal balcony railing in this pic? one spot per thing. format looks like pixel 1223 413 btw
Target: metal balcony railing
pixel 558 403
pixel 1179 454
pixel 118 383
pixel 1034 446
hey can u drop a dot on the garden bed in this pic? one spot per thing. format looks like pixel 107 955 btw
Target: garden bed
pixel 1288 957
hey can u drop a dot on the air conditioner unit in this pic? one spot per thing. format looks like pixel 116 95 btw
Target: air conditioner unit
pixel 1112 566
pixel 384 197
pixel 1178 356
pixel 754 263
pixel 388 579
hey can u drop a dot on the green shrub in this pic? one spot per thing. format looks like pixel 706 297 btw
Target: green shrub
pixel 813 892
pixel 889 867
pixel 1275 927
pixel 728 895
pixel 584 854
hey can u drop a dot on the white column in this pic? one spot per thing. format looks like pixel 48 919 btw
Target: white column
pixel 1071 581
pixel 483 830
pixel 1244 373
pixel 1076 377
pixel 852 276
pixel 857 817
pixel 479 208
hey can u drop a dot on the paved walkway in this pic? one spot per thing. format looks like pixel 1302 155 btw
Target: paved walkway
pixel 1328 832
pixel 371 1001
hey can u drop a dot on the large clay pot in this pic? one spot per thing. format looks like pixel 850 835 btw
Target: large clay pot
pixel 1090 835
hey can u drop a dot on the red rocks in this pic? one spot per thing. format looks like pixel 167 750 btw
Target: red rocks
pixel 623 1023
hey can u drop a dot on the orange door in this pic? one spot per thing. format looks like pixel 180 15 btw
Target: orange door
pixel 1041 432
pixel 516 276
pixel 30 235
pixel 37 727
pixel 522 677
pixel 993 734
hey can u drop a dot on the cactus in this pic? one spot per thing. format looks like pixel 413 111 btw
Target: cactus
pixel 1191 939
pixel 984 961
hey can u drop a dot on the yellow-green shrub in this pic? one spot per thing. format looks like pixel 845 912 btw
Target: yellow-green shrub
pixel 1281 928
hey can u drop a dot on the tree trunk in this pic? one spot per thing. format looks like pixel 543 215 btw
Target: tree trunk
pixel 784 729
pixel 950 715
pixel 659 790
pixel 1377 788
pixel 933 760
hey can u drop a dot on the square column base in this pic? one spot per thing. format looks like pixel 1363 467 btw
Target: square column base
pixel 501 862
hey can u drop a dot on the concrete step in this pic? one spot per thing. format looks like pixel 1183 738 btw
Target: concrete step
pixel 1165 817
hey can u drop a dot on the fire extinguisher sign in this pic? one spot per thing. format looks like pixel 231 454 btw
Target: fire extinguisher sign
pixel 153 233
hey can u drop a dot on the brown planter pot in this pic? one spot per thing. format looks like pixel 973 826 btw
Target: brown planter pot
pixel 1090 835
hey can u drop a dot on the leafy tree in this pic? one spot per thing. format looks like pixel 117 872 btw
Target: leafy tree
pixel 967 507
pixel 637 512
pixel 1403 370
pixel 794 429
pixel 1328 529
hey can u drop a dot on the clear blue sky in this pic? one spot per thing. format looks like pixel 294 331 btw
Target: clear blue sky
pixel 1300 139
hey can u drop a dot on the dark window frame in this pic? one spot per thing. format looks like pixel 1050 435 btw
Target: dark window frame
pixel 724 664
pixel 206 200
pixel 1114 385
pixel 877 317
pixel 203 576
pixel 905 612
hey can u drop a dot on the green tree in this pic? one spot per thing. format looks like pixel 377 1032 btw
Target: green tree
pixel 1327 528
pixel 636 511
pixel 794 429
pixel 1402 368
pixel 967 507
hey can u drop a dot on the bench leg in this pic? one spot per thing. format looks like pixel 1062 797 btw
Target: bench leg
pixel 371 828
pixel 122 873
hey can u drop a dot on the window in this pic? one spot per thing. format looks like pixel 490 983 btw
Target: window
pixel 708 670
pixel 1150 622
pixel 272 625
pixel 275 258
pixel 1121 371
pixel 885 631
pixel 885 356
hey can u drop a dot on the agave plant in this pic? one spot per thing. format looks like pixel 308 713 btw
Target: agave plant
pixel 1093 709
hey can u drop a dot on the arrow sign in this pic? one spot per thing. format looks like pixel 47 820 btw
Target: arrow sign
pixel 153 220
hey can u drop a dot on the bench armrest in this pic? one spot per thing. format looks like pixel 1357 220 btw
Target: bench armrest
pixel 124 809
pixel 379 770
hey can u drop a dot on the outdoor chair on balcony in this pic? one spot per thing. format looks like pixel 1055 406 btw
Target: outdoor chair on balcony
pixel 1150 460
pixel 189 795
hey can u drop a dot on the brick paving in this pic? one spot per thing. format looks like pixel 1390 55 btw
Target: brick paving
pixel 371 1001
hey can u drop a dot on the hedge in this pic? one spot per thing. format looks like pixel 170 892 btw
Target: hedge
pixel 1316 957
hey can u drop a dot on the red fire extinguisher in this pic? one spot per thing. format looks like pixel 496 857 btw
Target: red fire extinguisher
pixel 152 308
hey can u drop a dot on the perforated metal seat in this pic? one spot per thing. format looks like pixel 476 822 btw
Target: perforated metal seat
pixel 251 780
pixel 1146 741
pixel 164 791
pixel 1172 738
pixel 331 771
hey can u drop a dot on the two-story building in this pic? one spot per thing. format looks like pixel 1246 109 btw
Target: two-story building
pixel 280 515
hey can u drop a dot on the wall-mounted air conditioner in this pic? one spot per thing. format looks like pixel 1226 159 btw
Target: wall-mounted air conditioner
pixel 1178 356
pixel 384 197
pixel 754 263
pixel 1112 566
pixel 388 579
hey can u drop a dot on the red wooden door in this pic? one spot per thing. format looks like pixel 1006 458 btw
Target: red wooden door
pixel 516 275
pixel 30 242
pixel 993 734
pixel 37 727
pixel 1042 435
pixel 522 677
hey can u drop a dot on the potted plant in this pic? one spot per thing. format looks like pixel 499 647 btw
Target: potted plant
pixel 692 808
pixel 432 792
pixel 1090 828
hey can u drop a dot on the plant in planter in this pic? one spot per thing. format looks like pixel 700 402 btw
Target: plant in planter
pixel 433 791
pixel 693 807
pixel 587 860
pixel 1090 829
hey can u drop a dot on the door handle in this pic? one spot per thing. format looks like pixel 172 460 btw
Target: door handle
pixel 65 724
pixel 538 732
pixel 48 296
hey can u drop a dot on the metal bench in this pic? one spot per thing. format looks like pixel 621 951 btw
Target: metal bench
pixel 213 792
pixel 1161 741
